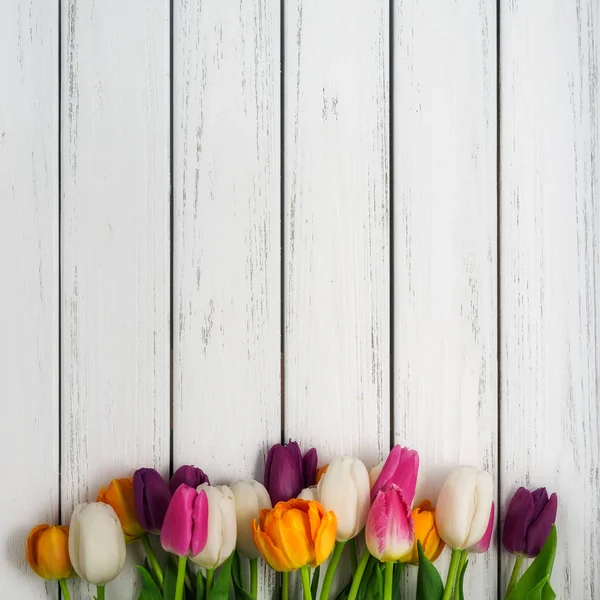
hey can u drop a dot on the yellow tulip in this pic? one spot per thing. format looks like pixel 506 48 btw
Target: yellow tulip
pixel 425 532
pixel 294 534
pixel 120 496
pixel 48 551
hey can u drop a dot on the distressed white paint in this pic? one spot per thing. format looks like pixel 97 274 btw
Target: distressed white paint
pixel 115 246
pixel 550 261
pixel 445 314
pixel 336 254
pixel 29 303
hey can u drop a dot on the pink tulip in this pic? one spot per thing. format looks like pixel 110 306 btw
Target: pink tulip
pixel 400 468
pixel 185 529
pixel 390 529
pixel 484 543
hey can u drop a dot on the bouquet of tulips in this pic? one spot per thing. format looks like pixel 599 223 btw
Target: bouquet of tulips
pixel 301 517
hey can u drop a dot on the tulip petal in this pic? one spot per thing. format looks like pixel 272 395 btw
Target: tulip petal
pixel 276 559
pixel 199 523
pixel 400 468
pixel 540 528
pixel 517 520
pixel 309 468
pixel 295 537
pixel 188 474
pixel 176 532
pixel 325 538
pixel 484 543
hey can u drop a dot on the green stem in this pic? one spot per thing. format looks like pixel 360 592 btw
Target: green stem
pixel 305 575
pixel 210 576
pixel 515 574
pixel 358 575
pixel 254 577
pixel 64 589
pixel 152 559
pixel 353 554
pixel 285 586
pixel 464 555
pixel 333 563
pixel 100 592
pixel 451 574
pixel 180 577
pixel 388 583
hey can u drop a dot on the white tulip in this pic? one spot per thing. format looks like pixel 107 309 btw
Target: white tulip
pixel 375 472
pixel 344 488
pixel 463 508
pixel 222 527
pixel 96 543
pixel 310 494
pixel 250 498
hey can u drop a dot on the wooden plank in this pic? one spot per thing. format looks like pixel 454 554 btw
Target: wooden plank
pixel 115 240
pixel 336 253
pixel 29 267
pixel 550 227
pixel 445 313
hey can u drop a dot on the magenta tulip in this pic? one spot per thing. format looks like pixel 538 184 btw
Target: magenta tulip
pixel 400 468
pixel 190 475
pixel 483 544
pixel 185 529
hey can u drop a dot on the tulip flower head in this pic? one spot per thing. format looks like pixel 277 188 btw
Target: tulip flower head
pixel 120 496
pixel 222 526
pixel 190 475
pixel 48 552
pixel 483 544
pixel 390 529
pixel 152 497
pixel 463 508
pixel 295 534
pixel 309 493
pixel 96 543
pixel 287 473
pixel 426 532
pixel 185 528
pixel 401 469
pixel 344 489
pixel 250 498
pixel 528 521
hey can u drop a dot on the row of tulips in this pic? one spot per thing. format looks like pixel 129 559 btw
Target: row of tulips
pixel 301 517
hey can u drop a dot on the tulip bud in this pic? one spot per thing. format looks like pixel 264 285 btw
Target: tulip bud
pixel 344 489
pixel 250 498
pixel 48 552
pixel 121 497
pixel 463 507
pixel 188 474
pixel 528 521
pixel 309 493
pixel 96 543
pixel 483 544
pixel 426 533
pixel 390 530
pixel 400 468
pixel 185 528
pixel 222 527
pixel 152 497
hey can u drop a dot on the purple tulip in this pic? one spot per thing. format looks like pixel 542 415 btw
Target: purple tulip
pixel 190 475
pixel 152 497
pixel 528 521
pixel 287 473
pixel 400 468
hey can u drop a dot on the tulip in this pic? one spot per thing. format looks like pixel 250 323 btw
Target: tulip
pixel 287 473
pixel 96 543
pixel 483 544
pixel 188 474
pixel 120 496
pixel 400 468
pixel 48 552
pixel 222 527
pixel 152 497
pixel 295 534
pixel 249 498
pixel 528 521
pixel 309 493
pixel 426 533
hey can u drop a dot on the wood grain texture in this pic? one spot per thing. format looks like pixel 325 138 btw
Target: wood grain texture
pixel 115 236
pixel 445 294
pixel 337 284
pixel 29 268
pixel 550 228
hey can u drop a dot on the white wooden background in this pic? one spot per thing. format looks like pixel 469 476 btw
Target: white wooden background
pixel 351 223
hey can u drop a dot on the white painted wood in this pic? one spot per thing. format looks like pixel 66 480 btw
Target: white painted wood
pixel 115 243
pixel 336 253
pixel 29 268
pixel 550 227
pixel 445 314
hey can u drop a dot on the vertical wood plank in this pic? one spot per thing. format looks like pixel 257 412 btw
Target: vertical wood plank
pixel 445 308
pixel 550 257
pixel 29 439
pixel 337 227
pixel 115 236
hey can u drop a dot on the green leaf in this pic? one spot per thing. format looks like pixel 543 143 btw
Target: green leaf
pixel 539 570
pixel 460 594
pixel 150 590
pixel 379 573
pixel 314 584
pixel 429 582
pixel 238 582
pixel 372 591
pixel 548 593
pixel 398 570
pixel 536 592
pixel 365 581
pixel 220 590
pixel 342 595
pixel 170 581
pixel 200 586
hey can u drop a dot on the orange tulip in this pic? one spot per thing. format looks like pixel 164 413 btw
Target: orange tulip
pixel 322 472
pixel 426 532
pixel 48 551
pixel 120 496
pixel 294 534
